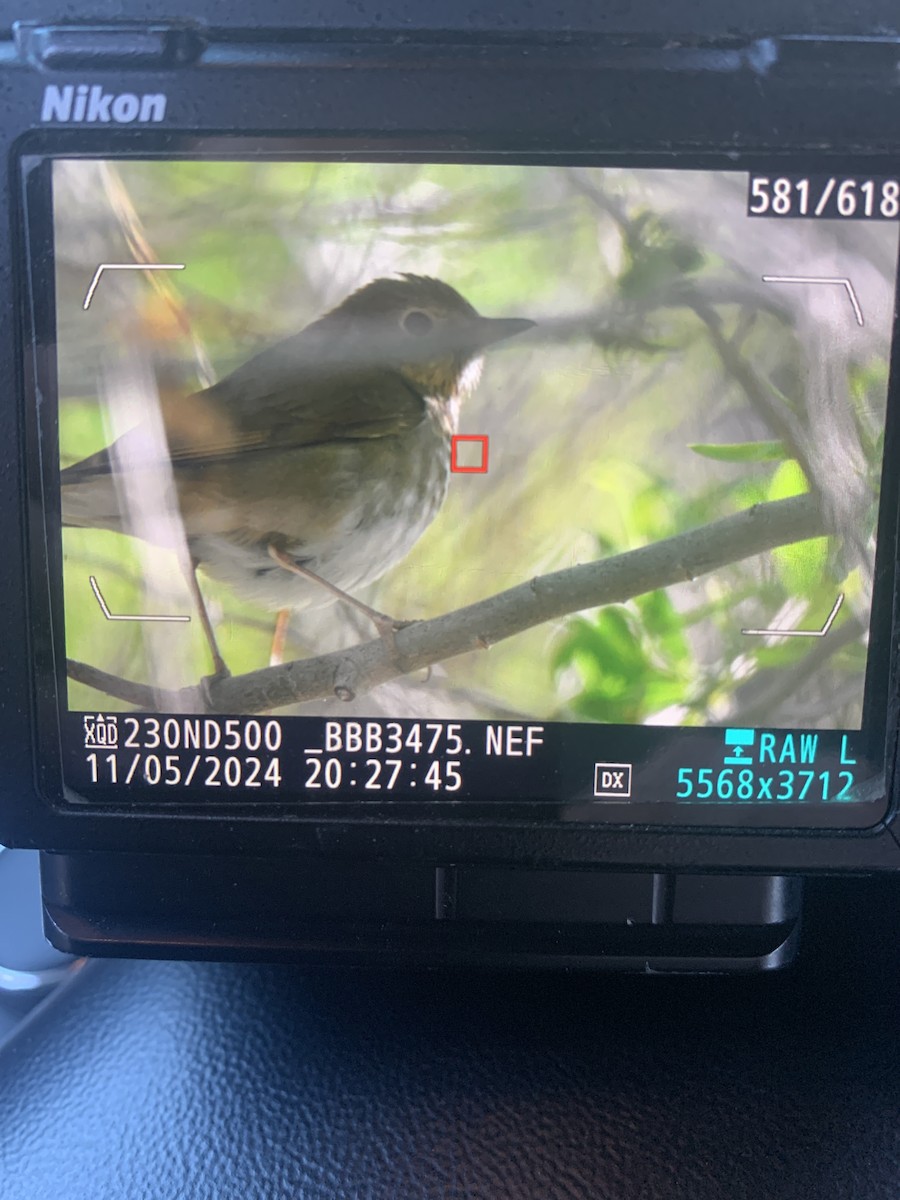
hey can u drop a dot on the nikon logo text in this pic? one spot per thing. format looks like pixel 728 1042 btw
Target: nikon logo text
pixel 92 106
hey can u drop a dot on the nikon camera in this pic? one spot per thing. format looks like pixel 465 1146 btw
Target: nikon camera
pixel 449 489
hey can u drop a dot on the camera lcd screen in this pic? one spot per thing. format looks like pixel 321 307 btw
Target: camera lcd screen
pixel 414 483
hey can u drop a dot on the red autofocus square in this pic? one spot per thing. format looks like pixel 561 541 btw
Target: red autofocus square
pixel 461 461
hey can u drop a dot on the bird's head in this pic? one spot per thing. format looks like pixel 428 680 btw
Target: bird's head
pixel 422 328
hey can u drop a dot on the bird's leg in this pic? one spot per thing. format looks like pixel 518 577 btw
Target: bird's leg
pixel 220 668
pixel 386 626
pixel 279 637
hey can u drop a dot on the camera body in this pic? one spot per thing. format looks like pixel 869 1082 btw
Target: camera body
pixel 580 840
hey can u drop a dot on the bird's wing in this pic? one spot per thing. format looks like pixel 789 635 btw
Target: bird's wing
pixel 265 407
pixel 273 401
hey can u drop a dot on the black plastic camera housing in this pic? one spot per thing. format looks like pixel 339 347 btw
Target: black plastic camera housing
pixel 542 883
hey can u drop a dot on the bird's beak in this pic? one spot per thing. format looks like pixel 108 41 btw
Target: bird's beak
pixel 497 329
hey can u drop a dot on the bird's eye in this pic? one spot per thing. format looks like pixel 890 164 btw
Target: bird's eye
pixel 417 322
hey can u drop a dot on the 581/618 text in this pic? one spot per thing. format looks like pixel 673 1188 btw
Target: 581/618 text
pixel 827 197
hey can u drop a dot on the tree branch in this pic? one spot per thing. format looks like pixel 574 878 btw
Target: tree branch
pixel 347 673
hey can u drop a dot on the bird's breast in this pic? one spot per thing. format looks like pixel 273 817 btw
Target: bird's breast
pixel 348 510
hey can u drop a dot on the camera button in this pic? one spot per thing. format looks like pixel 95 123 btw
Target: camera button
pixel 84 47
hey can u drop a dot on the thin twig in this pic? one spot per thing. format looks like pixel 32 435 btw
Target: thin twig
pixel 759 393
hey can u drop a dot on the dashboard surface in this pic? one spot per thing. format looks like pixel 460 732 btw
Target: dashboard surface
pixel 234 1080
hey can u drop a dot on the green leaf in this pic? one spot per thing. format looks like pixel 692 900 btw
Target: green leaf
pixel 741 452
pixel 801 565
pixel 788 480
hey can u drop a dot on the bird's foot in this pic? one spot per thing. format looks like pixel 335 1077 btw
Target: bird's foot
pixel 279 638
pixel 388 628
pixel 207 683
pixel 220 668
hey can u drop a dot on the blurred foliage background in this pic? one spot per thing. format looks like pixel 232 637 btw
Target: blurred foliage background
pixel 665 386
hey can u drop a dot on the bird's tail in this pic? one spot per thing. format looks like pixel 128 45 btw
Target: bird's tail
pixel 89 496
